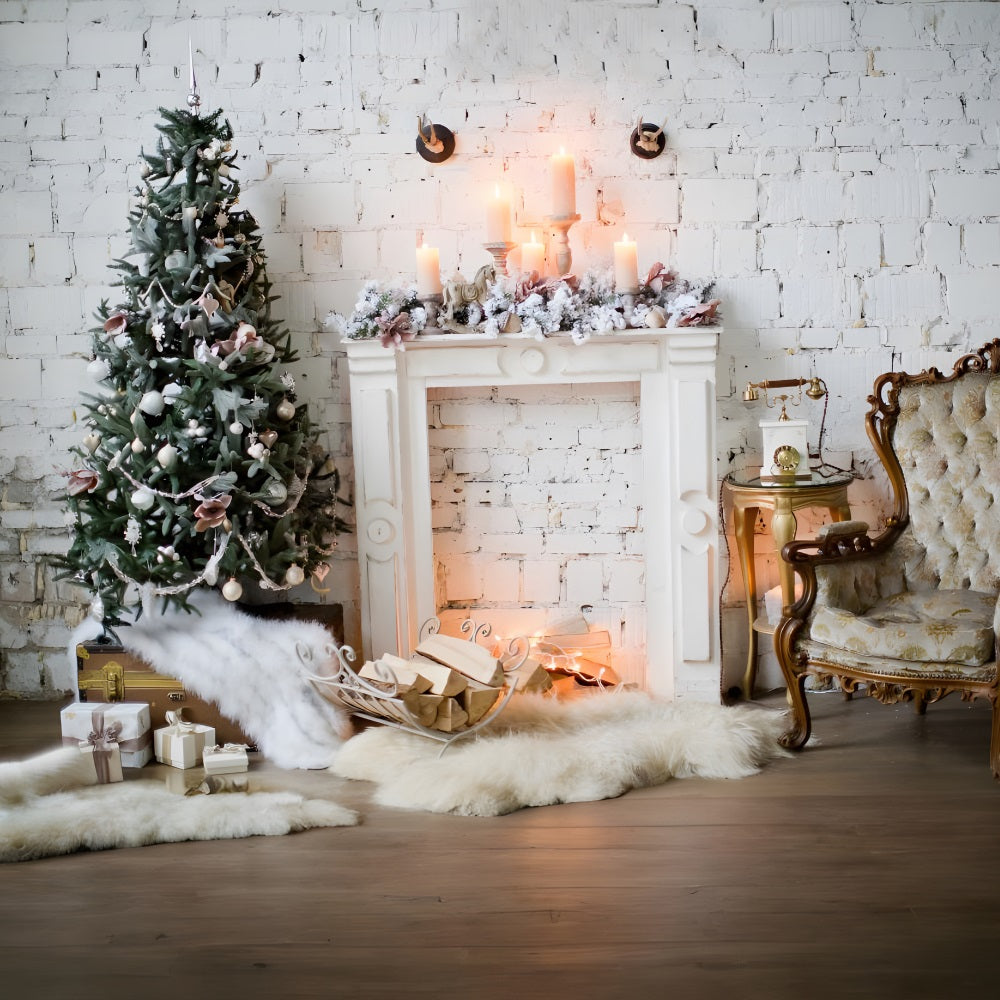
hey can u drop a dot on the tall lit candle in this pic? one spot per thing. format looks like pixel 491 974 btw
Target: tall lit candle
pixel 563 184
pixel 428 271
pixel 626 265
pixel 498 217
pixel 533 256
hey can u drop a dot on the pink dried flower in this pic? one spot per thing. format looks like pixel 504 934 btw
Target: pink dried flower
pixel 116 323
pixel 211 513
pixel 658 277
pixel 242 337
pixel 81 481
pixel 699 314
pixel 394 331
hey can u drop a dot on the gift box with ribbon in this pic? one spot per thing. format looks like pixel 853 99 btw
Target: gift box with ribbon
pixel 102 744
pixel 181 743
pixel 230 758
pixel 134 739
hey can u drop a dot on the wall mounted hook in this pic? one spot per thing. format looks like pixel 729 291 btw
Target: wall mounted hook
pixel 648 141
pixel 435 143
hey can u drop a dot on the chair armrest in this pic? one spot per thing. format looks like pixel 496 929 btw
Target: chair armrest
pixel 845 567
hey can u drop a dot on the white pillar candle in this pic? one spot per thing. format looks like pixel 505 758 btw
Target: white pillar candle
pixel 428 271
pixel 533 256
pixel 626 265
pixel 498 218
pixel 563 185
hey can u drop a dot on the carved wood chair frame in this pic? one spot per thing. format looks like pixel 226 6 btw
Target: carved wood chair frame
pixel 796 662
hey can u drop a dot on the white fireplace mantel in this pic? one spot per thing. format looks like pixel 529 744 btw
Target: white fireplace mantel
pixel 676 373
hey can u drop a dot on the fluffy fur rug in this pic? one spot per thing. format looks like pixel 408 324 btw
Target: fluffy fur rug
pixel 541 752
pixel 249 668
pixel 46 808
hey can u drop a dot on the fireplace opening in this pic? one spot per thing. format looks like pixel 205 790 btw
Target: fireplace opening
pixel 536 511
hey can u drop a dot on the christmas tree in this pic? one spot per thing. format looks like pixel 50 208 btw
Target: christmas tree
pixel 198 467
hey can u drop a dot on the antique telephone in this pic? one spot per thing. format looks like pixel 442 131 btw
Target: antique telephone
pixel 786 455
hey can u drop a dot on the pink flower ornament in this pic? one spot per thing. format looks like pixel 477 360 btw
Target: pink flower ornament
pixel 115 324
pixel 81 481
pixel 699 314
pixel 395 330
pixel 211 513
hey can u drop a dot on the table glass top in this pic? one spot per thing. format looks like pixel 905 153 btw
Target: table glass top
pixel 816 480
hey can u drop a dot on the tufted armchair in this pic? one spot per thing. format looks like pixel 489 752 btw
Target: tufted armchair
pixel 911 613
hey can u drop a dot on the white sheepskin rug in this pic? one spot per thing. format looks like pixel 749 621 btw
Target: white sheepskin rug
pixel 248 666
pixel 542 751
pixel 47 808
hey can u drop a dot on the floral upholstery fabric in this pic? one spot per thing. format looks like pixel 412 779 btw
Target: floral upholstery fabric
pixel 929 605
pixel 946 626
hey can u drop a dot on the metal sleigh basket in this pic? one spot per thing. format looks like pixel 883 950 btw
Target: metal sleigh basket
pixel 380 700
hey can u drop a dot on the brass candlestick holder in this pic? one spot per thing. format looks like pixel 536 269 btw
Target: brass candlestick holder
pixel 560 226
pixel 499 252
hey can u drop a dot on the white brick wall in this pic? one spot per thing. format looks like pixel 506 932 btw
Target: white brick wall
pixel 833 164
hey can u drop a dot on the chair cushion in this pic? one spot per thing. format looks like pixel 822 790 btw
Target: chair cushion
pixel 946 626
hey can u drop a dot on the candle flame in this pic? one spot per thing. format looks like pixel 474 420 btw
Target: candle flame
pixel 532 236
pixel 562 150
pixel 625 238
pixel 424 246
pixel 496 191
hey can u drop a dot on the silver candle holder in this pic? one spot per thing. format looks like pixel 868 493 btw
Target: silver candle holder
pixel 559 225
pixel 432 306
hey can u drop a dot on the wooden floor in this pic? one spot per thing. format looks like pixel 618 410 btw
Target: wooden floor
pixel 866 866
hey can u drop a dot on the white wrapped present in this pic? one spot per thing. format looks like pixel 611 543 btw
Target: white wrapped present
pixel 230 758
pixel 128 721
pixel 181 743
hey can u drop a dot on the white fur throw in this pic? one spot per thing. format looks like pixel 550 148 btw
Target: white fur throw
pixel 249 668
pixel 542 751
pixel 45 810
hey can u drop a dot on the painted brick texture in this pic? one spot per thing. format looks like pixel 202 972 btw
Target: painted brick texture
pixel 833 165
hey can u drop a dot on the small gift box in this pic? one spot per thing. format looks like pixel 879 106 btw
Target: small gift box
pixel 134 739
pixel 102 745
pixel 228 759
pixel 181 743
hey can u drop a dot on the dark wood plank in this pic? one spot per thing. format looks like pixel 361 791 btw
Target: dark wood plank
pixel 862 867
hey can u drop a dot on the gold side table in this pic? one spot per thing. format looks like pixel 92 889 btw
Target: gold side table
pixel 748 496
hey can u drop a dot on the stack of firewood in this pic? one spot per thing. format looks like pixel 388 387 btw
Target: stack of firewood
pixel 448 684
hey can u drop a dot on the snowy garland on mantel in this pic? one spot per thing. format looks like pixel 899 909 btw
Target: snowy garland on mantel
pixel 528 304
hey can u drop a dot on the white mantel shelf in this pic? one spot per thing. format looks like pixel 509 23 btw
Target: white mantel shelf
pixel 675 369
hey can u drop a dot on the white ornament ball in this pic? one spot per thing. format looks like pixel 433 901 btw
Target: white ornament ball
pixel 152 403
pixel 92 442
pixel 143 499
pixel 170 393
pixel 138 447
pixel 98 369
pixel 235 427
pixel 285 410
pixel 294 575
pixel 275 493
pixel 231 589
pixel 257 451
pixel 656 318
pixel 167 456
pixel 112 496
